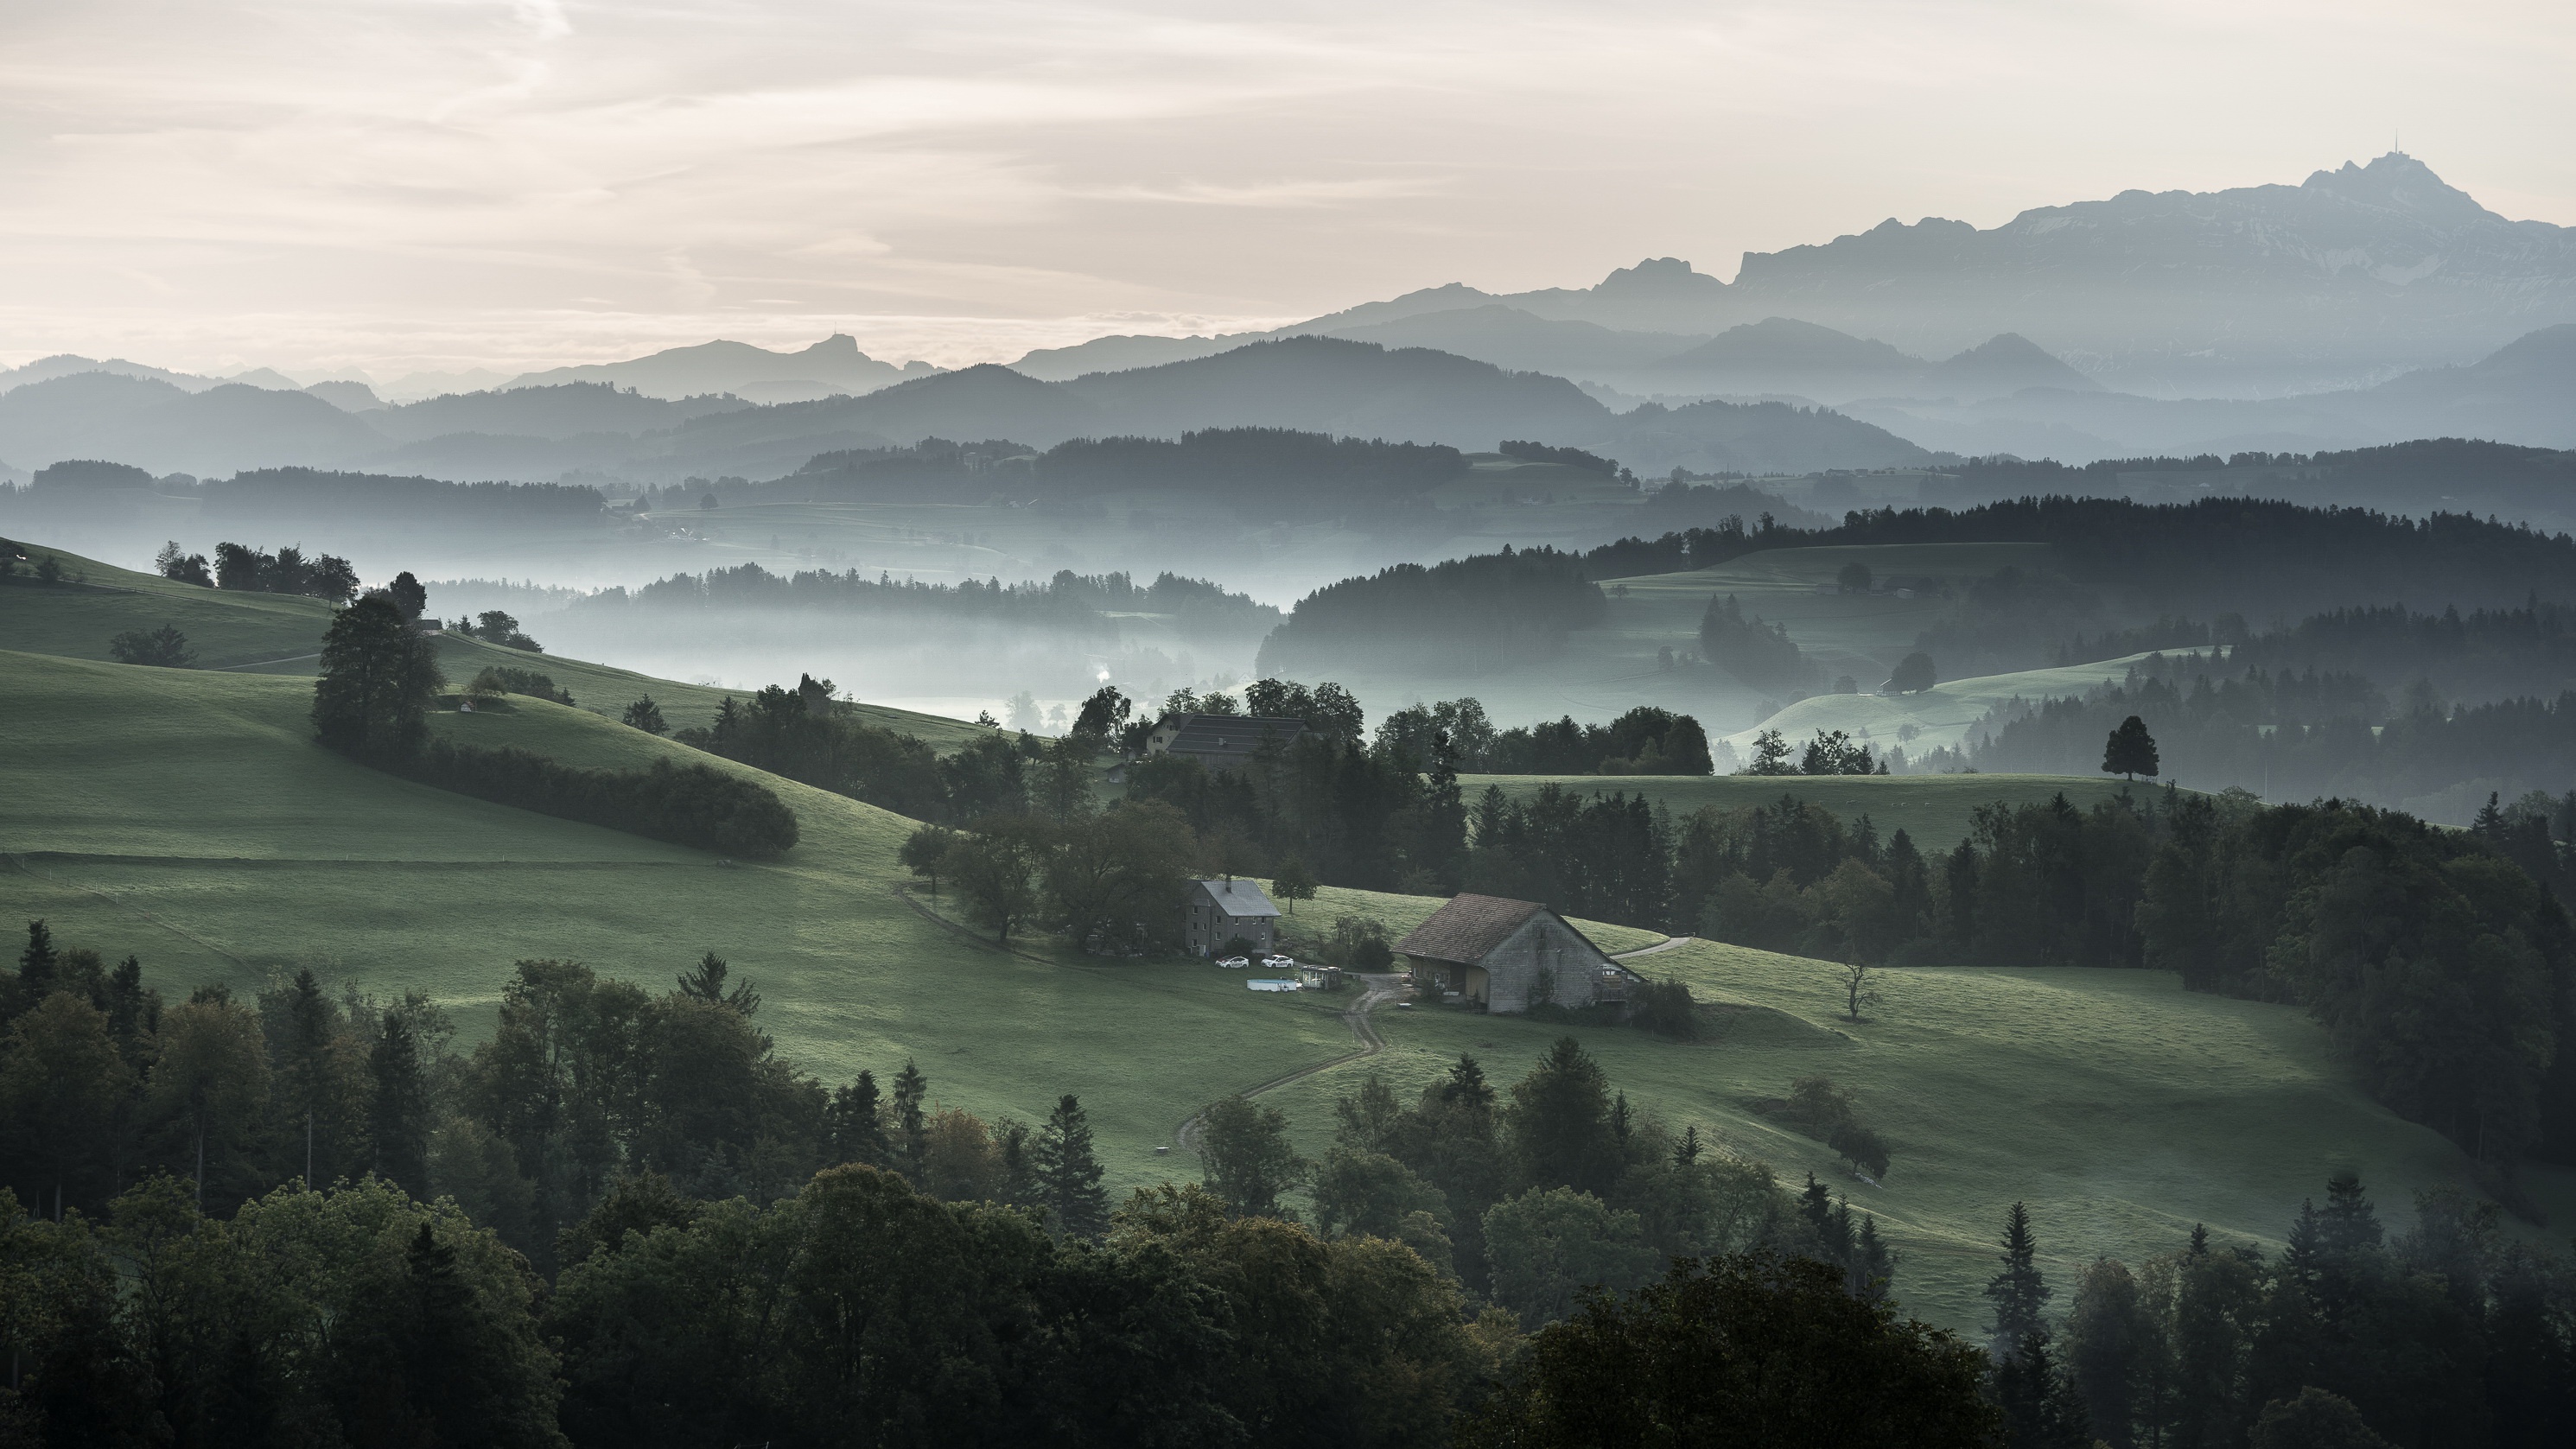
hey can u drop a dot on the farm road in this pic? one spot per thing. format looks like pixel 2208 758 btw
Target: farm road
pixel 1381 987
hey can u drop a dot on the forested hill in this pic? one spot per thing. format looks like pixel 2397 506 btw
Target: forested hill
pixel 2247 555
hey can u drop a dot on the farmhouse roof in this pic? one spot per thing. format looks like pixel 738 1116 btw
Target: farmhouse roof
pixel 1239 898
pixel 1232 736
pixel 1467 929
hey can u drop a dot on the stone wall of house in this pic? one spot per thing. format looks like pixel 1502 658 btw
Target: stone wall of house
pixel 1542 961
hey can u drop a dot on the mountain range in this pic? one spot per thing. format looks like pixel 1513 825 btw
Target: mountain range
pixel 2349 278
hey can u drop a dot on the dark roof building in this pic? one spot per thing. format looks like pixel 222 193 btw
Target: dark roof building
pixel 1510 956
pixel 1214 912
pixel 1220 741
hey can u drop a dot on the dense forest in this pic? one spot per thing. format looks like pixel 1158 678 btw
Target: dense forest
pixel 273 497
pixel 1452 618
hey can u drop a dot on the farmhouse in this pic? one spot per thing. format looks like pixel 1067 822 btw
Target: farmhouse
pixel 1214 912
pixel 1510 956
pixel 1220 741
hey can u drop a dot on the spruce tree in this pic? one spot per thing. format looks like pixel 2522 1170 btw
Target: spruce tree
pixel 1068 1175
pixel 398 1105
pixel 2017 1291
pixel 857 1124
pixel 911 1126
pixel 1873 1267
pixel 1686 1151
pixel 37 965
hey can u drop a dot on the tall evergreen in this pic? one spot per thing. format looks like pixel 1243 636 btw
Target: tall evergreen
pixel 303 1068
pixel 706 982
pixel 855 1120
pixel 2017 1291
pixel 1068 1174
pixel 1560 1121
pixel 911 1125
pixel 398 1104
pixel 37 966
pixel 1873 1267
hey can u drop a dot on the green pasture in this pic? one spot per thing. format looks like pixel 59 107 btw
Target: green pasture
pixel 247 633
pixel 184 816
pixel 1933 809
pixel 1937 718
pixel 2119 1107
pixel 226 629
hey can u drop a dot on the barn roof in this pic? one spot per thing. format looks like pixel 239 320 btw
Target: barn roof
pixel 1467 928
pixel 1231 736
pixel 1239 898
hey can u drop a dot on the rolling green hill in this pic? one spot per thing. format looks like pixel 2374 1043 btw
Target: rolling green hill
pixel 185 816
pixel 1933 809
pixel 1937 718
pixel 251 633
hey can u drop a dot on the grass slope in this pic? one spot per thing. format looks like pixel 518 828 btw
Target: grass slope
pixel 282 634
pixel 1933 809
pixel 185 816
pixel 1940 717
pixel 2119 1107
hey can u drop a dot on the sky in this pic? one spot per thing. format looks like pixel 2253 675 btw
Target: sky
pixel 378 186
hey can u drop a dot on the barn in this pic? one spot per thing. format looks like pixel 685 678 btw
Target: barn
pixel 1510 956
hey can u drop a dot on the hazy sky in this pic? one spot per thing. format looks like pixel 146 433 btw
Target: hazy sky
pixel 390 184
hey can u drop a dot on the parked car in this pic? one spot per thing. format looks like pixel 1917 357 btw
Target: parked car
pixel 1278 963
pixel 1234 963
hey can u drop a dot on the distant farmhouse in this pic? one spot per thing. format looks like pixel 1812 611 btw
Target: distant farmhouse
pixel 1220 741
pixel 1511 956
pixel 1214 912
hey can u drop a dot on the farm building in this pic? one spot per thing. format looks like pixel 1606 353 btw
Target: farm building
pixel 1510 956
pixel 1220 741
pixel 1214 912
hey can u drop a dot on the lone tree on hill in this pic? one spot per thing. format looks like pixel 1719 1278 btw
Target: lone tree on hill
pixel 1295 883
pixel 1853 578
pixel 165 647
pixel 645 715
pixel 377 680
pixel 2131 751
pixel 1914 674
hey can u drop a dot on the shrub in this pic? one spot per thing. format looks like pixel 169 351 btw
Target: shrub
pixel 502 679
pixel 693 805
pixel 165 646
pixel 1665 1008
pixel 1358 943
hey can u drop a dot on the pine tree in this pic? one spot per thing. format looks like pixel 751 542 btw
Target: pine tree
pixel 1067 1174
pixel 1686 1151
pixel 398 1105
pixel 36 965
pixel 2041 1409
pixel 706 982
pixel 2017 1291
pixel 1873 1267
pixel 857 1124
pixel 911 1126
pixel 1466 1084
pixel 305 1069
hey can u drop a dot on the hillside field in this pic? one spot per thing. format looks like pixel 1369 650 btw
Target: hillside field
pixel 1933 809
pixel 186 817
pixel 241 632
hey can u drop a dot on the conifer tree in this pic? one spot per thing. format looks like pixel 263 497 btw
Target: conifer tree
pixel 1873 1267
pixel 36 966
pixel 857 1124
pixel 2017 1291
pixel 1686 1151
pixel 1068 1175
pixel 911 1125
pixel 398 1104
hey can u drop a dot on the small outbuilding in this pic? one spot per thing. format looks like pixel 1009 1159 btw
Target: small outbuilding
pixel 1214 912
pixel 1510 956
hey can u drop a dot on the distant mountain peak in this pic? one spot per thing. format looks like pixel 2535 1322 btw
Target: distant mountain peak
pixel 2398 182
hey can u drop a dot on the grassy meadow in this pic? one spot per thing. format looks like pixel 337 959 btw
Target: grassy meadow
pixel 249 633
pixel 186 817
pixel 1933 809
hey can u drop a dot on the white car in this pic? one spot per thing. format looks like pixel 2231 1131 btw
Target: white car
pixel 1278 963
pixel 1234 963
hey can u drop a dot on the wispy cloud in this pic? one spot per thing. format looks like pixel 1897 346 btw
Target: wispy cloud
pixel 440 182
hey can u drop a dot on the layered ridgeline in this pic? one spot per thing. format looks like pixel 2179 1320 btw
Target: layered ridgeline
pixel 1307 384
pixel 2108 561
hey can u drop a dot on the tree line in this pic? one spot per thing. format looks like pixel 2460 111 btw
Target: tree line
pixel 2449 1333
pixel 1068 602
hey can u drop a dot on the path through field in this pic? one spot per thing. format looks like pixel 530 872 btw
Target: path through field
pixel 1382 986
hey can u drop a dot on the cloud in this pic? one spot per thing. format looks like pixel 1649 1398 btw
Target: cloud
pixel 972 175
